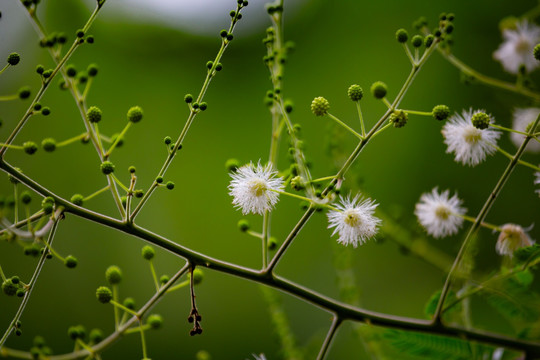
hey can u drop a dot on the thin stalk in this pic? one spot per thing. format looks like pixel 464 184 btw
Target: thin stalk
pixel 347 127
pixel 336 321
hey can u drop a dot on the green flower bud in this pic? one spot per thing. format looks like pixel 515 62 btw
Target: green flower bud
pixel 90 39
pixel 26 198
pixel 243 225
pixel 536 52
pixel 113 274
pixel 39 342
pixel 80 33
pixel 223 33
pixel 71 261
pixel 77 199
pixel 45 111
pixel 402 36
pixel 48 208
pixel 219 67
pixel 167 140
pixel 399 118
pixel 94 114
pixel 170 185
pixel 155 321
pixel 18 332
pixel 96 336
pixel 9 288
pixel 355 92
pixel 92 70
pixel 230 36
pixel 48 144
pixel 129 303
pixel 428 40
pixel 107 167
pixel 188 98
pixel 135 114
pixel 272 243
pixel 24 92
pixel 71 71
pixel 320 106
pixel 232 164
pixel 164 279
pixel 441 112
pixel 138 194
pixel 297 183
pixel 13 59
pixel 203 355
pixel 40 69
pixel 480 120
pixel 197 276
pixel 203 106
pixel 62 38
pixel 417 41
pixel 104 294
pixel 30 147
pixel 378 89
pixel 148 252
pixel 289 106
pixel 48 73
pixel 76 332
pixel 132 169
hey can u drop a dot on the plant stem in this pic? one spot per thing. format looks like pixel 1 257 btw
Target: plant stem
pixel 336 321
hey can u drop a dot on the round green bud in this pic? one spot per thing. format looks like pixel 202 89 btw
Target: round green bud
pixel 402 36
pixel 129 302
pixel 223 33
pixel 449 28
pixel 148 252
pixel 480 120
pixel 71 261
pixel 48 208
pixel 232 164
pixel 297 183
pixel 230 36
pixel 155 321
pixel 73 332
pixel 536 52
pixel 159 179
pixel 164 279
pixel 170 185
pixel 441 112
pixel 77 199
pixel 92 70
pixel 80 33
pixel 417 41
pixel 209 64
pixel 138 194
pixel 26 198
pixel 399 118
pixel 15 279
pixel 104 294
pixel 219 67
pixel 13 59
pixel 71 71
pixel 203 355
pixel 378 89
pixel 24 92
pixel 90 39
pixel 48 73
pixel 96 336
pixel 355 92
pixel 203 106
pixel 62 38
pixel 40 69
pixel 113 274
pixel 82 78
pixel 46 111
pixel 30 147
pixel 428 40
pixel 34 351
pixel 197 276
pixel 18 332
pixel 123 200
pixel 107 167
pixel 232 13
pixel 9 288
pixel 188 98
pixel 37 106
pixel 132 169
pixel 94 114
pixel 320 106
pixel 195 105
pixel 167 140
pixel 47 200
pixel 272 243
pixel 135 114
pixel 27 3
pixel 243 225
pixel 289 106
pixel 39 341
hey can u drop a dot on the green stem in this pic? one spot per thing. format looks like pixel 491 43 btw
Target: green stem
pixel 351 130
pixel 154 276
pixel 4 68
pixel 9 97
pixel 114 301
pixel 118 306
pixel 484 224
pixel 336 321
pixel 100 191
pixel 415 112
pixel 361 118
pixel 72 140
pixel 521 162
pixel 508 129
pixel 117 140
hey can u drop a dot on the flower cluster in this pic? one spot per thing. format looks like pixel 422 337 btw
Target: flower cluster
pixel 440 214
pixel 469 144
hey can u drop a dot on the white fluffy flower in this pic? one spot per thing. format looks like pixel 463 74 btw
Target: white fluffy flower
pixel 354 220
pixel 511 238
pixel 537 181
pixel 469 144
pixel 259 357
pixel 522 118
pixel 517 48
pixel 253 188
pixel 439 214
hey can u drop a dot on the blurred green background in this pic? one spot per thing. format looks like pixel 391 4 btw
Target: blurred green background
pixel 145 63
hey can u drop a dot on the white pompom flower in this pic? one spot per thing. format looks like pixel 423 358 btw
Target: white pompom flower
pixel 354 220
pixel 511 238
pixel 469 144
pixel 517 47
pixel 253 188
pixel 522 118
pixel 440 214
